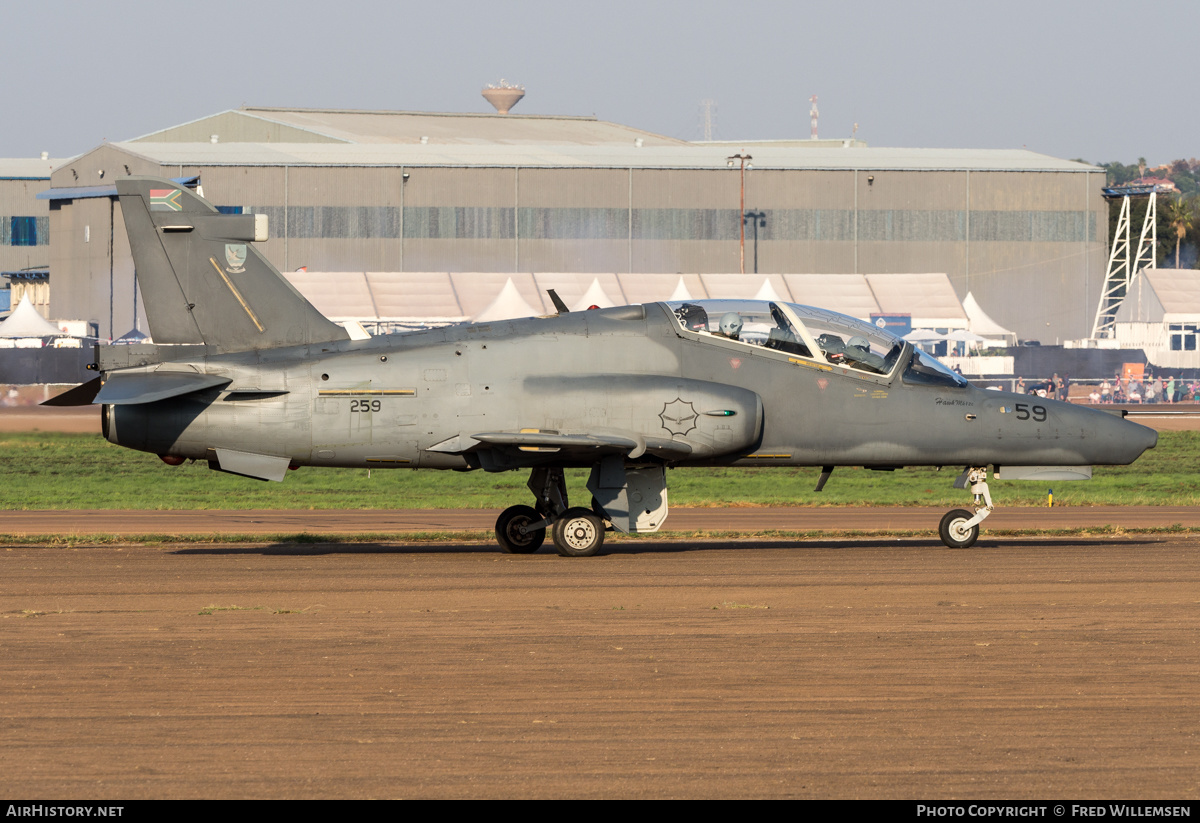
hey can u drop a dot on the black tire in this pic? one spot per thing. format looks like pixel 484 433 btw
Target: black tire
pixel 951 532
pixel 509 534
pixel 578 533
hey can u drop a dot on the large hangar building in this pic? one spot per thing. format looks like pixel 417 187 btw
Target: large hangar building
pixel 361 191
pixel 25 228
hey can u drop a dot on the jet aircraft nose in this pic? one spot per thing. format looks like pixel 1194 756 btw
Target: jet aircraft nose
pixel 1146 437
pixel 1081 435
pixel 1119 441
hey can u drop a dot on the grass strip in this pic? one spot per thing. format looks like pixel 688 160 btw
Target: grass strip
pixel 51 471
pixel 483 537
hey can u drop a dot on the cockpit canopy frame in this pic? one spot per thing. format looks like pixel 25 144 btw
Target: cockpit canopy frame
pixel 811 334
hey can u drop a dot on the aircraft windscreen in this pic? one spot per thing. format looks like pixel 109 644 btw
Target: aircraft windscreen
pixel 925 370
pixel 794 329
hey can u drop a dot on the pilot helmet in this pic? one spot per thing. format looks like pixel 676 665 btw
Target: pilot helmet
pixel 693 317
pixel 859 343
pixel 731 324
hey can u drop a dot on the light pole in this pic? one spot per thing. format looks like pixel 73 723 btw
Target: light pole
pixel 760 219
pixel 743 161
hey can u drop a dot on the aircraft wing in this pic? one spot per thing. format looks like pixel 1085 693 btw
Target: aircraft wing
pixel 523 446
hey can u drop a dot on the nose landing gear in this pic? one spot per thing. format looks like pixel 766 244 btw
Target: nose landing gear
pixel 959 528
pixel 955 532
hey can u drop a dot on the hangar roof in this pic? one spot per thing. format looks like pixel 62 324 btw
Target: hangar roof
pixel 339 126
pixel 600 155
pixel 259 136
pixel 27 168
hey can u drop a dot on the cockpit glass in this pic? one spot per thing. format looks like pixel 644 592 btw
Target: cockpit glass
pixel 924 370
pixel 808 332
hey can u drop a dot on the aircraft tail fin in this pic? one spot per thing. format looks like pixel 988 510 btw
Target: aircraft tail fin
pixel 202 279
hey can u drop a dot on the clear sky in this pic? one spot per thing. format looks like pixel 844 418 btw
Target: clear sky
pixel 1099 80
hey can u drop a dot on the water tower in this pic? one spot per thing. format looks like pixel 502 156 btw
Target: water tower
pixel 503 95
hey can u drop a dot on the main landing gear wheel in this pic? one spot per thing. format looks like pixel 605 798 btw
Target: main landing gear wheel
pixel 511 531
pixel 952 529
pixel 578 533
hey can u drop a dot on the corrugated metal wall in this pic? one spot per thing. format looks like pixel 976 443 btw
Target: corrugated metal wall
pixel 573 220
pixel 1032 246
pixel 24 225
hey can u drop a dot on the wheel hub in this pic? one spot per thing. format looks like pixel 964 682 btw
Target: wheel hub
pixel 580 534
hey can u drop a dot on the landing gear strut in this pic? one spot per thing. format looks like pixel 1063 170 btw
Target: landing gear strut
pixel 959 529
pixel 576 532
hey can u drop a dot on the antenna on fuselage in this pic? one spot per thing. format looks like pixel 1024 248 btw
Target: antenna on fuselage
pixel 559 305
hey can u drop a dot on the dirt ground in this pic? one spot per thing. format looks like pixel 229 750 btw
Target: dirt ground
pixel 1059 668
pixel 74 419
pixel 1049 669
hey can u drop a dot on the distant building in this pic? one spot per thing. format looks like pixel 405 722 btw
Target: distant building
pixel 1161 316
pixel 1161 183
pixel 361 191
pixel 25 229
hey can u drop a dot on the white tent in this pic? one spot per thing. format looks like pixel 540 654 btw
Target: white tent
pixel 681 292
pixel 979 322
pixel 412 299
pixel 508 305
pixel 928 298
pixel 767 292
pixel 964 336
pixel 846 293
pixel 1162 296
pixel 973 341
pixel 594 296
pixel 25 321
pixel 1161 315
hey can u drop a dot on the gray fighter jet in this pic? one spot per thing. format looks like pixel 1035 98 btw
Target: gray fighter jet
pixel 247 375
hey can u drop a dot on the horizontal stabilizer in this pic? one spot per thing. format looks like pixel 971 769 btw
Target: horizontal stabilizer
pixel 147 387
pixel 81 395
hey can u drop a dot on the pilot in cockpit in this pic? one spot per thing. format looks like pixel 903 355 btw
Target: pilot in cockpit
pixel 731 325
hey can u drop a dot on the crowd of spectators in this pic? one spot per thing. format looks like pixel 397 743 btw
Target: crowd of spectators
pixel 1056 388
pixel 1118 389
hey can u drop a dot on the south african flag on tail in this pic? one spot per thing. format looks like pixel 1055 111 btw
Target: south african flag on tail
pixel 165 200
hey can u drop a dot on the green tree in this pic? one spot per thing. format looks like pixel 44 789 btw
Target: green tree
pixel 1181 216
pixel 1118 174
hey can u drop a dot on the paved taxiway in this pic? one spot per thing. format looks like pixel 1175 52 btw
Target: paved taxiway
pixel 1048 669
